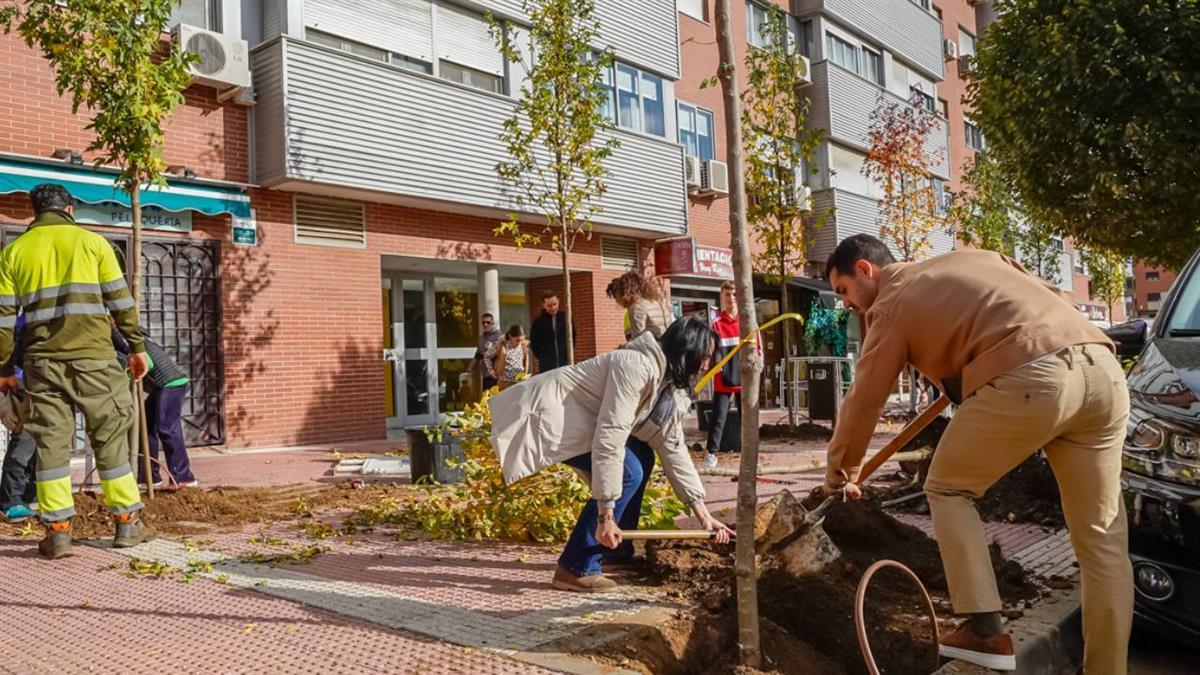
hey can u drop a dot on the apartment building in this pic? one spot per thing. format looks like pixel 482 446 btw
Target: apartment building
pixel 344 203
pixel 1150 286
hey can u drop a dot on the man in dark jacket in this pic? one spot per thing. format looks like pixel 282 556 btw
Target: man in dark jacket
pixel 166 392
pixel 548 335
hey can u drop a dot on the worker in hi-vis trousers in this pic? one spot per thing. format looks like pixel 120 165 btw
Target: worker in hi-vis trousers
pixel 66 280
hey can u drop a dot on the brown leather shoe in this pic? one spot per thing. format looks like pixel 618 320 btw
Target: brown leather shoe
pixel 57 542
pixel 995 652
pixel 592 583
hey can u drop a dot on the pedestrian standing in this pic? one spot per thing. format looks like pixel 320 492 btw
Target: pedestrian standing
pixel 727 385
pixel 67 280
pixel 18 491
pixel 548 334
pixel 607 417
pixel 1028 372
pixel 512 359
pixel 166 393
pixel 485 352
pixel 642 300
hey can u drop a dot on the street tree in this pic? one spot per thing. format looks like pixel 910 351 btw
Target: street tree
pixel 750 652
pixel 1107 270
pixel 556 138
pixel 898 163
pixel 779 147
pixel 108 56
pixel 1090 110
pixel 1039 250
pixel 985 212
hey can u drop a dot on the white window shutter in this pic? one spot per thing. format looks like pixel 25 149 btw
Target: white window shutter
pixel 330 222
pixel 618 253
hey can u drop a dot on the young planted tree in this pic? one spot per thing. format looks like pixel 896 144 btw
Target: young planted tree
pixel 986 212
pixel 1108 273
pixel 898 163
pixel 779 147
pixel 109 57
pixel 555 137
pixel 751 362
pixel 1039 250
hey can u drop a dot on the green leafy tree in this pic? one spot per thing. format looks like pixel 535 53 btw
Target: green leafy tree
pixel 109 57
pixel 898 163
pixel 1108 272
pixel 1090 110
pixel 985 212
pixel 555 137
pixel 1039 251
pixel 749 646
pixel 779 147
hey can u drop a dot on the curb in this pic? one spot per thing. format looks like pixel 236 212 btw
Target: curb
pixel 1049 640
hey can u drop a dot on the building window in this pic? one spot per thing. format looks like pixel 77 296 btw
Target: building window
pixel 696 131
pixel 922 100
pixel 923 4
pixel 637 100
pixel 756 23
pixel 693 8
pixel 975 139
pixel 872 63
pixel 842 52
pixel 806 38
pixel 966 43
pixel 409 63
pixel 1152 276
pixel 1080 268
pixel 349 46
pixel 1058 243
pixel 1153 297
pixel 200 13
pixel 944 108
pixel 941 196
pixel 470 77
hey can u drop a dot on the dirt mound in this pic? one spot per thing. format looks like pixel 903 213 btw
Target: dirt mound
pixel 808 431
pixel 193 511
pixel 1027 494
pixel 817 610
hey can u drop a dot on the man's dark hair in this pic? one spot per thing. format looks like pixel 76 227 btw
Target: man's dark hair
pixel 49 197
pixel 853 249
pixel 686 344
pixel 546 295
pixel 487 315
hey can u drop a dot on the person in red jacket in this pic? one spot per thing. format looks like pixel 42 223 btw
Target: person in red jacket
pixel 728 383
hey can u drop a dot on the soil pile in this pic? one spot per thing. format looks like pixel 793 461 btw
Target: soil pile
pixel 1027 494
pixel 818 609
pixel 807 431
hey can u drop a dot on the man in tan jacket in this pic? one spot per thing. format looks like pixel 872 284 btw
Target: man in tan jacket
pixel 1028 372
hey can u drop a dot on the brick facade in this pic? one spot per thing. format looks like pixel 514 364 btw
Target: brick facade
pixel 1150 286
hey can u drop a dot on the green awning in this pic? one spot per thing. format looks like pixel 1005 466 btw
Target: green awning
pixel 92 186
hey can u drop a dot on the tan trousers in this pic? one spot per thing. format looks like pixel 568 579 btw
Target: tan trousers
pixel 1074 404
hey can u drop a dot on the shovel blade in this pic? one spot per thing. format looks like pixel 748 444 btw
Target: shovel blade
pixel 787 530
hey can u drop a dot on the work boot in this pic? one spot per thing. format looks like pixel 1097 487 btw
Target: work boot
pixel 132 530
pixel 995 652
pixel 57 542
pixel 592 583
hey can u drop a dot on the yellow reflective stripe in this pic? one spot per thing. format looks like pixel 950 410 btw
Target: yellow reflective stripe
pixel 55 495
pixel 121 494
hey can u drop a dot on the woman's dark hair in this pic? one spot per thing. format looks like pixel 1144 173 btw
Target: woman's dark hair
pixel 516 331
pixel 686 344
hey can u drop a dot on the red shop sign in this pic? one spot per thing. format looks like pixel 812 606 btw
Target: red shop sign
pixel 684 256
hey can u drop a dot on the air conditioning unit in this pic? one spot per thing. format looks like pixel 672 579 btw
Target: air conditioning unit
pixel 950 49
pixel 800 197
pixel 806 76
pixel 223 61
pixel 714 177
pixel 966 64
pixel 691 172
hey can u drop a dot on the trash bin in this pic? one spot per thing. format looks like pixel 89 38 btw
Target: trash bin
pixel 428 458
pixel 731 437
pixel 822 391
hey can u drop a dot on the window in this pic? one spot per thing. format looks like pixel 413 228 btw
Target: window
pixel 1153 297
pixel 1152 276
pixel 696 131
pixel 920 99
pixel 349 46
pixel 872 63
pixel 841 52
pixel 693 8
pixel 610 106
pixel 966 43
pixel 941 196
pixel 923 4
pixel 944 108
pixel 756 21
pixel 1079 266
pixel 975 139
pixel 409 63
pixel 1058 244
pixel 637 100
pixel 200 13
pixel 806 37
pixel 470 77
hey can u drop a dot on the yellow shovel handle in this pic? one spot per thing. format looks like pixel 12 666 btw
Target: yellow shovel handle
pixel 721 364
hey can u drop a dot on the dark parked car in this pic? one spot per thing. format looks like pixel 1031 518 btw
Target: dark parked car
pixel 1161 476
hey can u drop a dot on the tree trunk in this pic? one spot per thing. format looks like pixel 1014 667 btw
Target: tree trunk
pixel 751 364
pixel 134 264
pixel 566 298
pixel 785 306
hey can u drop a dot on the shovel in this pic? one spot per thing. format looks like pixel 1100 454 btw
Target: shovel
pixel 784 527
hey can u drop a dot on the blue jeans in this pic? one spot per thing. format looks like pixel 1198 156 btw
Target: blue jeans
pixel 583 553
pixel 164 422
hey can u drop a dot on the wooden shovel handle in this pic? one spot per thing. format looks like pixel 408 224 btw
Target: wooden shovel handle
pixel 631 535
pixel 906 434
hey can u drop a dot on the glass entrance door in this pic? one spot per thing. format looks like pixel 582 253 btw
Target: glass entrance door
pixel 434 329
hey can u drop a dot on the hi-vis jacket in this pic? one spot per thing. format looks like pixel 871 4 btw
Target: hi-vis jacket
pixel 66 280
